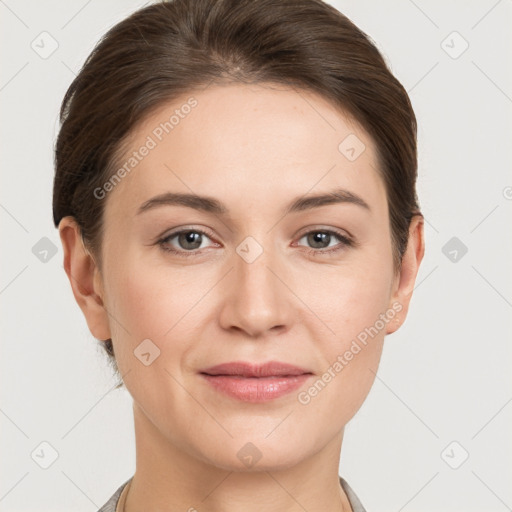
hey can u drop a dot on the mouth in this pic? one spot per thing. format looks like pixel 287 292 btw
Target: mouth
pixel 255 383
pixel 250 370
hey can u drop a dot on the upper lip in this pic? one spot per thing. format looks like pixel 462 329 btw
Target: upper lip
pixel 245 369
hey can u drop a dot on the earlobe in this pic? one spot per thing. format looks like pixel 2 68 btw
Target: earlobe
pixel 84 277
pixel 410 265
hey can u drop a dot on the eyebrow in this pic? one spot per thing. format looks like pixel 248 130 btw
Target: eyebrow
pixel 212 205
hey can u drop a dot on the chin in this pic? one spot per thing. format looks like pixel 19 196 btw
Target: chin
pixel 256 456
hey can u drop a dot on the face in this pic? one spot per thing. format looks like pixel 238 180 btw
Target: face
pixel 249 269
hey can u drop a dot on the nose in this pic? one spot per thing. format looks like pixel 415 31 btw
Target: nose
pixel 256 299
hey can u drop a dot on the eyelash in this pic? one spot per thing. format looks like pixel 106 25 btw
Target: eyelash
pixel 344 242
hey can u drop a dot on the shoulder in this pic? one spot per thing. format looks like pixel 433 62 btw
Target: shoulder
pixel 111 504
pixel 356 505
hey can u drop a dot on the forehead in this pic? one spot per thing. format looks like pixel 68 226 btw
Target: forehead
pixel 246 143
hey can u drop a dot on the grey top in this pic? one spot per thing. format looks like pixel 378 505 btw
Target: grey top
pixel 110 505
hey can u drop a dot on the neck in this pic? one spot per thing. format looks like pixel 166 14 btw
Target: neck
pixel 168 477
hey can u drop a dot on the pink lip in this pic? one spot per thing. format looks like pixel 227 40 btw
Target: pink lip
pixel 255 383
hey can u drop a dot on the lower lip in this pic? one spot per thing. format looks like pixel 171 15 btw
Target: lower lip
pixel 256 389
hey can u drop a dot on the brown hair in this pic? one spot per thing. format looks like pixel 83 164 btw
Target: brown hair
pixel 165 50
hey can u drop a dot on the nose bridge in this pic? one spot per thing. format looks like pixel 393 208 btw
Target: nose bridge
pixel 257 300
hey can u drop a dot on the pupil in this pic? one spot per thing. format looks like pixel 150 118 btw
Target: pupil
pixel 318 238
pixel 192 238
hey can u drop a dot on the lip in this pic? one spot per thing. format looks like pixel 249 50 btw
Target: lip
pixel 255 382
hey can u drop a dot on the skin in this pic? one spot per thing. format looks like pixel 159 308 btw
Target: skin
pixel 254 148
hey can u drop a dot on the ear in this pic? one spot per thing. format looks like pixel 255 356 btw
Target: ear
pixel 403 285
pixel 85 278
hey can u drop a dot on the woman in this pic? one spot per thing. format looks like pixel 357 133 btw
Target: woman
pixel 235 195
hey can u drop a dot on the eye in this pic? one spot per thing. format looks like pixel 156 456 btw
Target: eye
pixel 319 240
pixel 190 242
pixel 187 240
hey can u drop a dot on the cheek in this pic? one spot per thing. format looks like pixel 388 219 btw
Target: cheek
pixel 351 355
pixel 354 308
pixel 338 393
pixel 149 300
pixel 346 299
pixel 153 302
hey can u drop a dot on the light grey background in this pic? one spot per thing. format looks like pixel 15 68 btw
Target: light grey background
pixel 444 377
